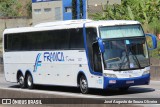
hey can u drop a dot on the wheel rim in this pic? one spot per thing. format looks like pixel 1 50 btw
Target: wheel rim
pixel 83 84
pixel 21 80
pixel 29 81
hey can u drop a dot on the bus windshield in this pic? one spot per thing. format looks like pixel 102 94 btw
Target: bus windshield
pixel 124 54
pixel 121 31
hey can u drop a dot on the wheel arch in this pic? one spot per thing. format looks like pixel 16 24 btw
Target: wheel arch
pixel 19 72
pixel 80 73
pixel 28 73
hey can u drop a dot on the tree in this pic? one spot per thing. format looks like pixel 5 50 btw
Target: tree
pixel 145 11
pixel 15 8
pixel 9 8
pixel 29 8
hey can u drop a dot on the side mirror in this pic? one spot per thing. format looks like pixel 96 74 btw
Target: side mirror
pixel 101 45
pixel 154 41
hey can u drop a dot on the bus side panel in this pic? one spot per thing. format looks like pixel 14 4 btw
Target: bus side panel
pixel 10 68
pixel 50 67
pixel 9 74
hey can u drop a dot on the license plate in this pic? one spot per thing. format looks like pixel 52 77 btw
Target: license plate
pixel 126 72
pixel 129 82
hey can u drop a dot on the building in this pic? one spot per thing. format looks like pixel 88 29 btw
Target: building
pixel 46 10
pixel 55 10
pixel 67 9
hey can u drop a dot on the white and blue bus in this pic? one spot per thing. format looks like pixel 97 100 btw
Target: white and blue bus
pixel 78 53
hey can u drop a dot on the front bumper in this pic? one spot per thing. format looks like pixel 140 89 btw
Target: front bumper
pixel 125 82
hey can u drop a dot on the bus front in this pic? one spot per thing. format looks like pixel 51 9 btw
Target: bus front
pixel 125 58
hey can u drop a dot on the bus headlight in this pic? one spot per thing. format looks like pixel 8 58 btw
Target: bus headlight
pixel 145 72
pixel 110 75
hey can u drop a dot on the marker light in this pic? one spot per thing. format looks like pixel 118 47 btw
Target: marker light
pixel 110 75
pixel 145 72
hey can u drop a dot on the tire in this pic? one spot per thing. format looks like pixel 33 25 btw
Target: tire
pixel 21 81
pixel 84 85
pixel 123 89
pixel 29 81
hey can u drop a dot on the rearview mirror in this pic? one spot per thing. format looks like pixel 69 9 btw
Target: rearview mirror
pixel 101 45
pixel 154 41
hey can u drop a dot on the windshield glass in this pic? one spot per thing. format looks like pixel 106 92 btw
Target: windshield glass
pixel 125 54
pixel 121 31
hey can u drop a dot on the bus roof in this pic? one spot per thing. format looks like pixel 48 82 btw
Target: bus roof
pixel 69 24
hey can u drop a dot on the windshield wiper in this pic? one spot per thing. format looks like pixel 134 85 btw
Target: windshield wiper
pixel 120 66
pixel 135 58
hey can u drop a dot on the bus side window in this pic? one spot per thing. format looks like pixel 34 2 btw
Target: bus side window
pixel 76 39
pixel 91 38
pixel 96 58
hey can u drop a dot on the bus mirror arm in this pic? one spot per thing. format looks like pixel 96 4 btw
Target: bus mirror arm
pixel 154 41
pixel 101 45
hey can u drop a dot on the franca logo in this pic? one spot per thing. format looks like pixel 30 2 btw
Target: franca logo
pixel 48 57
pixel 37 62
pixel 53 57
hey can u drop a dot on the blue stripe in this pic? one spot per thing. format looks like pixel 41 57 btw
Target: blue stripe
pixel 35 1
pixel 85 44
pixel 78 9
pixel 84 9
pixel 121 82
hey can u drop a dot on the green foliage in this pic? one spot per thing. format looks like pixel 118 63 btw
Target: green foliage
pixel 29 8
pixel 156 52
pixel 14 8
pixel 74 10
pixel 145 11
pixel 9 8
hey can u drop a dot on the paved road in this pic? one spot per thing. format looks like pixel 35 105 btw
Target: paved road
pixel 147 91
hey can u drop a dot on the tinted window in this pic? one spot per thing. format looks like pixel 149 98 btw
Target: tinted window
pixel 76 38
pixel 91 38
pixel 46 40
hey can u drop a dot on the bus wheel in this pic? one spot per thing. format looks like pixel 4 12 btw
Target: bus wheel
pixel 83 85
pixel 21 81
pixel 123 89
pixel 29 81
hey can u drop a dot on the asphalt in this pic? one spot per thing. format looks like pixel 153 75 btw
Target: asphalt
pixel 12 90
